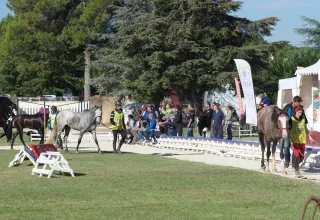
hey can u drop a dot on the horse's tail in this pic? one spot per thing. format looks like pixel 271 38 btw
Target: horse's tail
pixel 8 132
pixel 53 135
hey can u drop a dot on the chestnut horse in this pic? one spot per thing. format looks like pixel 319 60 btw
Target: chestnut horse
pixel 272 128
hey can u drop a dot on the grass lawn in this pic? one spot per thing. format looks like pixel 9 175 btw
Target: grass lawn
pixel 17 141
pixel 134 186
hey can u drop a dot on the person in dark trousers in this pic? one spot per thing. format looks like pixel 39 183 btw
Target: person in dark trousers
pixel 289 110
pixel 207 113
pixel 190 118
pixel 117 126
pixel 212 118
pixel 178 120
pixel 168 124
pixel 228 121
pixel 218 122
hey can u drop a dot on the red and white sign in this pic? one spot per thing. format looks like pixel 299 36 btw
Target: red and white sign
pixel 37 149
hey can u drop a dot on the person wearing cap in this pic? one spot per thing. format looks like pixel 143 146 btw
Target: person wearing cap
pixel 289 111
pixel 52 117
pixel 264 99
pixel 118 126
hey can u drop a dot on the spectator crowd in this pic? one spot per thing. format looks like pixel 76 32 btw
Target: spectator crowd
pixel 148 123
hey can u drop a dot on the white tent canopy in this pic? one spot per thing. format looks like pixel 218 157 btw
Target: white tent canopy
pixel 287 90
pixel 310 70
pixel 308 79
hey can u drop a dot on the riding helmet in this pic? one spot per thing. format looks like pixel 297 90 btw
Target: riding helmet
pixel 118 103
pixel 54 108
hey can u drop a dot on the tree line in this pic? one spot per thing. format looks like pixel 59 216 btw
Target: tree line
pixel 141 48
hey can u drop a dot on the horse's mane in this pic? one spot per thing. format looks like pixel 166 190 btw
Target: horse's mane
pixel 89 109
pixel 277 110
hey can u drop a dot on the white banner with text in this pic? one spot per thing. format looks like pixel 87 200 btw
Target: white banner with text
pixel 244 71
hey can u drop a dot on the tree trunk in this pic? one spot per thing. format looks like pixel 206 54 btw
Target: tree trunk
pixel 87 74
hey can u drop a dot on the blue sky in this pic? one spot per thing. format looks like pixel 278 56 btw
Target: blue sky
pixel 288 11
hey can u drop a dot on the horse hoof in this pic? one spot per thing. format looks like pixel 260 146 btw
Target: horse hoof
pixel 284 172
pixel 77 152
pixel 274 170
pixel 267 171
pixel 119 152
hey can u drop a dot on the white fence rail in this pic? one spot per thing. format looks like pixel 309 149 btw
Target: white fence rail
pixel 32 108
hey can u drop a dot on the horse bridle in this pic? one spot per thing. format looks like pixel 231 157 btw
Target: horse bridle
pixel 11 113
pixel 100 116
pixel 278 123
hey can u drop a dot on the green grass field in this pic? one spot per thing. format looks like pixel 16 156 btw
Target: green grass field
pixel 132 186
pixel 17 142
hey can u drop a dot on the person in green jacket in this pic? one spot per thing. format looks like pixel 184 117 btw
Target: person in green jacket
pixel 52 116
pixel 118 126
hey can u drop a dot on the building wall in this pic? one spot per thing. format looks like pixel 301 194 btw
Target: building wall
pixel 107 105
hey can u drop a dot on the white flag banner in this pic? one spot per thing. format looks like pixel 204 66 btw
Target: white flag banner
pixel 244 71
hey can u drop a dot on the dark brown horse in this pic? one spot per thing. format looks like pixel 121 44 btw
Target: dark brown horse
pixel 272 128
pixel 7 109
pixel 27 121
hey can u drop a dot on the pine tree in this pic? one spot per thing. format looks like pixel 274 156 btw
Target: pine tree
pixel 40 61
pixel 311 33
pixel 188 45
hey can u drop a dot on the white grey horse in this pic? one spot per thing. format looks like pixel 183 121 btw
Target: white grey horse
pixel 84 121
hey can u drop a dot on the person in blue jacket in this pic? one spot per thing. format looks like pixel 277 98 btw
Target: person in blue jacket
pixel 149 131
pixel 264 99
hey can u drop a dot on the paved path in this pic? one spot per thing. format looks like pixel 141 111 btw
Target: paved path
pixel 254 165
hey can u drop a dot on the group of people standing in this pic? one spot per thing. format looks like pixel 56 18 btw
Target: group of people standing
pixel 213 120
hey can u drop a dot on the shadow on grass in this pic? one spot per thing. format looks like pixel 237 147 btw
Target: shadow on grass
pixel 102 152
pixel 111 152
pixel 173 154
pixel 75 174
